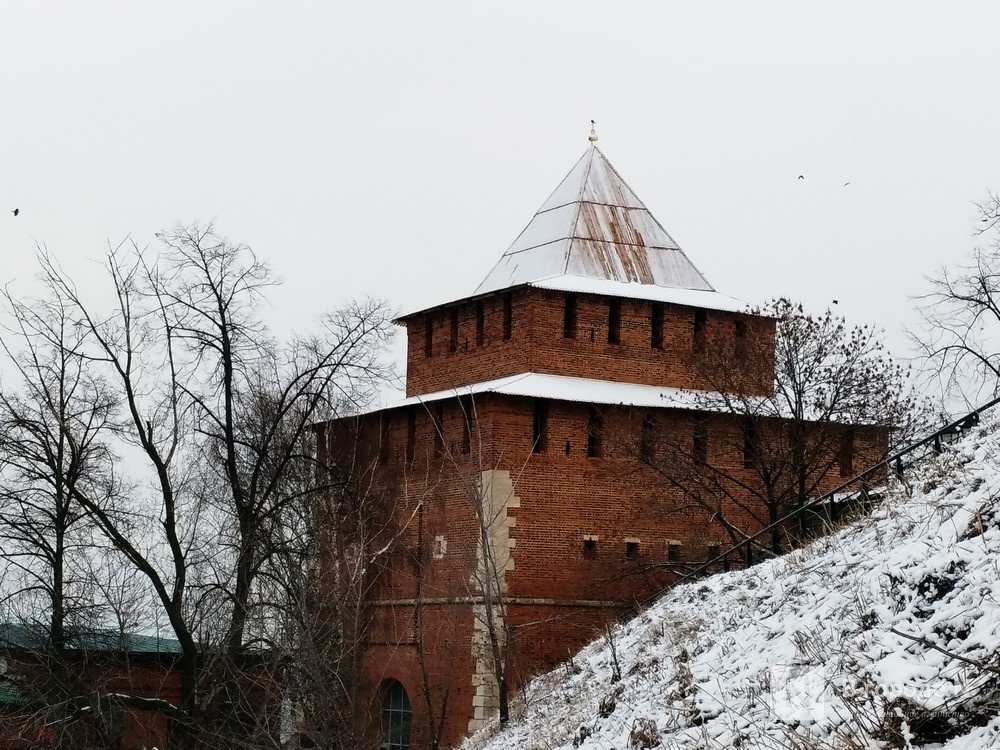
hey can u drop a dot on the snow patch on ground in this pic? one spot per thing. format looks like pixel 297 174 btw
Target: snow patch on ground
pixel 881 636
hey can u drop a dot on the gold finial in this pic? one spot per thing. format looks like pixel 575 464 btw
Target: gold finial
pixel 593 134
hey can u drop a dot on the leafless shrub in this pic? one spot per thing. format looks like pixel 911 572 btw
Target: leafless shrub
pixel 644 733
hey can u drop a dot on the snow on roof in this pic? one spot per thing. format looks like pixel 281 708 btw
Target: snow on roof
pixel 709 300
pixel 594 226
pixel 564 388
pixel 691 297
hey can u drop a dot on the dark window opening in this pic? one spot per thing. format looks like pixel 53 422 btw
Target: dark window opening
pixel 466 409
pixel 480 323
pixel 740 346
pixel 428 335
pixel 569 317
pixel 647 437
pixel 674 552
pixel 384 449
pixel 845 455
pixel 699 447
pixel 656 326
pixel 453 341
pixel 411 435
pixel 631 550
pixel 700 322
pixel 751 443
pixel 397 715
pixel 540 426
pixel 589 548
pixel 614 321
pixel 713 551
pixel 438 418
pixel 508 316
pixel 595 437
pixel 568 447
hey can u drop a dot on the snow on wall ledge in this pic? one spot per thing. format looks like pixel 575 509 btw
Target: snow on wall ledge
pixel 873 637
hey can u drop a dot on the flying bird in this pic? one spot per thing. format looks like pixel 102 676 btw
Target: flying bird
pixel 846 184
pixel 802 176
pixel 836 301
pixel 16 211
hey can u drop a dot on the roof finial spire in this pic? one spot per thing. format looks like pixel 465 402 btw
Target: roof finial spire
pixel 593 134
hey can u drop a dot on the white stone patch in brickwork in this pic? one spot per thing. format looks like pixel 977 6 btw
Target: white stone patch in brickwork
pixel 494 557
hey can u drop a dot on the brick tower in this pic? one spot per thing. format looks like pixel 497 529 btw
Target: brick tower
pixel 524 517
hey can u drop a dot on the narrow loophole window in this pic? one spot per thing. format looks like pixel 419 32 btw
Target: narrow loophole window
pixel 384 446
pixel 466 410
pixel 614 321
pixel 453 340
pixel 700 323
pixel 438 417
pixel 411 435
pixel 647 437
pixel 508 316
pixel 540 426
pixel 740 338
pixel 751 443
pixel 428 335
pixel 480 323
pixel 569 317
pixel 595 433
pixel 699 446
pixel 656 326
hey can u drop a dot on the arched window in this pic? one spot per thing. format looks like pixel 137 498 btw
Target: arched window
pixel 396 717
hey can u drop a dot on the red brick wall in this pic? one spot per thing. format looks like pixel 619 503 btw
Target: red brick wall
pixel 143 675
pixel 469 363
pixel 563 497
pixel 445 633
pixel 538 344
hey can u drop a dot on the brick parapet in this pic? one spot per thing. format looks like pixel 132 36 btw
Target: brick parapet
pixel 537 342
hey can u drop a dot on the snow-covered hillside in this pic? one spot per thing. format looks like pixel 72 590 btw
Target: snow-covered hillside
pixel 885 635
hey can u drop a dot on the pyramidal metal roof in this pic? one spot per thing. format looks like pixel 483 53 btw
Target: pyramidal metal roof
pixel 594 226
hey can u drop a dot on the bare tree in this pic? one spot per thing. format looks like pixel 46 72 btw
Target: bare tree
pixel 69 609
pixel 55 422
pixel 750 455
pixel 219 414
pixel 959 338
pixel 54 426
pixel 331 576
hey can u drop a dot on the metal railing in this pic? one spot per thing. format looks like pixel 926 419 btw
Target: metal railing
pixel 933 444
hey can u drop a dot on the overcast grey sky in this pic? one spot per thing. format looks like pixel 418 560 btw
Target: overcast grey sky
pixel 396 149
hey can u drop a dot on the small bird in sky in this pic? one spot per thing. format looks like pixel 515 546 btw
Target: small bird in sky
pixel 802 176
pixel 836 301
pixel 846 184
pixel 16 211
